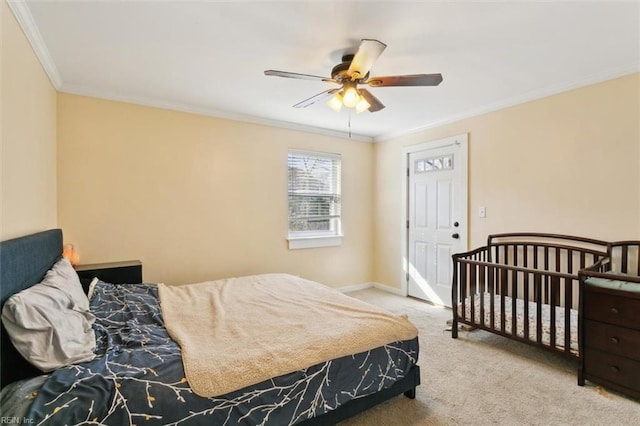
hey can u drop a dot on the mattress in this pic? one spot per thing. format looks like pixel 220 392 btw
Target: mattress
pixel 520 317
pixel 138 377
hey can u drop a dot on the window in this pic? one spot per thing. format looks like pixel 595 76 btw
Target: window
pixel 314 199
pixel 444 162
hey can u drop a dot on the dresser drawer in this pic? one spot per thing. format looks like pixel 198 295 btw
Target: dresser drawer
pixel 612 309
pixel 612 339
pixel 613 368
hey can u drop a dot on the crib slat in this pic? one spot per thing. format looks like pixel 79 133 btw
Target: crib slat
pixel 483 284
pixel 514 299
pixel 463 289
pixel 525 290
pixel 556 288
pixel 555 282
pixel 537 285
pixel 472 291
pixel 568 304
pixel 545 294
pixel 513 289
pixel 546 258
pixel 526 306
pixel 503 291
pixel 624 255
pixel 570 262
pixel 492 299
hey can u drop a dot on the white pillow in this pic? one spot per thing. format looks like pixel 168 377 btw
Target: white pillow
pixel 92 288
pixel 63 276
pixel 46 329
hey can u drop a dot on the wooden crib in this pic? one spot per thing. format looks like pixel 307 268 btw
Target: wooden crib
pixel 524 286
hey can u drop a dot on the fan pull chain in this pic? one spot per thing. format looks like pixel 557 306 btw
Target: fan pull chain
pixel 349 124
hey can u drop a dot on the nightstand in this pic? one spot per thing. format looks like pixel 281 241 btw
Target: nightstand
pixel 127 272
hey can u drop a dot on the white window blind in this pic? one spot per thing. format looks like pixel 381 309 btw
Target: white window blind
pixel 314 194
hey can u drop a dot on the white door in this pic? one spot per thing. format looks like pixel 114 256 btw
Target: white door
pixel 437 216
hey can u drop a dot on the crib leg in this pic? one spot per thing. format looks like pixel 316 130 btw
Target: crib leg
pixel 580 378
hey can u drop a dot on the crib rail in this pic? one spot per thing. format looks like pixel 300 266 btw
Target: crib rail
pixel 550 252
pixel 507 286
pixel 622 262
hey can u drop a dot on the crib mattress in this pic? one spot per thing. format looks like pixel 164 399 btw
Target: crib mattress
pixel 520 319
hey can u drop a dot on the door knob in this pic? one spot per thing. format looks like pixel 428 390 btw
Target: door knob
pixel 456 236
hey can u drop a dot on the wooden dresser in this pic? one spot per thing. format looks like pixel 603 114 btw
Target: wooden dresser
pixel 610 335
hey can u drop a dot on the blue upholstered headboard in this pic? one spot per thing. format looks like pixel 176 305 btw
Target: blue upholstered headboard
pixel 23 262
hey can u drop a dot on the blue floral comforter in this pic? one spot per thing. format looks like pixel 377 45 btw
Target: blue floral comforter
pixel 137 376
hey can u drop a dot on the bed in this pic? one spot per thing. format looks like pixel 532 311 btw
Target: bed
pixel 137 374
pixel 524 286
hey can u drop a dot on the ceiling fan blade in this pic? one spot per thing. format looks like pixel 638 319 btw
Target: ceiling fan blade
pixel 406 80
pixel 367 53
pixel 375 103
pixel 315 98
pixel 297 75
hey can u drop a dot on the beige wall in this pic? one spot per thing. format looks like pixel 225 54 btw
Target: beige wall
pixel 178 190
pixel 198 198
pixel 28 122
pixel 567 163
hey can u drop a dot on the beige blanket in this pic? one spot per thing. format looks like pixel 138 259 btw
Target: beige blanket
pixel 241 331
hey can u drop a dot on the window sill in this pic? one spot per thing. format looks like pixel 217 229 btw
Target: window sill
pixel 313 242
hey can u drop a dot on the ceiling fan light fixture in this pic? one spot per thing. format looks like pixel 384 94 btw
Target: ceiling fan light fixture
pixel 363 105
pixel 350 97
pixel 335 103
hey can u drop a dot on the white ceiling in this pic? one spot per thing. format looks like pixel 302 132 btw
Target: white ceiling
pixel 209 56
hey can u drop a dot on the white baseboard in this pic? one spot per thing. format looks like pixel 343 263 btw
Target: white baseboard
pixel 394 290
pixel 355 287
pixel 383 287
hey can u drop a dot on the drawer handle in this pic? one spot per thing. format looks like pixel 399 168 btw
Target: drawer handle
pixel 615 340
pixel 614 369
pixel 615 311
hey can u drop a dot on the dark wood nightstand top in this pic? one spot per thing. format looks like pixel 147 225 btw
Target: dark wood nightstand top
pixel 107 265
pixel 126 272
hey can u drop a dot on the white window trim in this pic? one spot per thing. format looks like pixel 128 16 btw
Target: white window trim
pixel 314 241
pixel 304 240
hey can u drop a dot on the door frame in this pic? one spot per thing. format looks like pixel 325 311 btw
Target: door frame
pixel 463 141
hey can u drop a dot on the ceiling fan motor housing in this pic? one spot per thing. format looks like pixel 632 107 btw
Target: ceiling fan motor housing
pixel 341 71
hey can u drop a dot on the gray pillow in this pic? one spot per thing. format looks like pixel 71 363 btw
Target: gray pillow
pixel 47 327
pixel 63 276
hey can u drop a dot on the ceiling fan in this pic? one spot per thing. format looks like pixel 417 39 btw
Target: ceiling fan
pixel 354 71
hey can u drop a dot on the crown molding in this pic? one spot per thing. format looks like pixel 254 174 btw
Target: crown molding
pixel 517 100
pixel 191 109
pixel 25 19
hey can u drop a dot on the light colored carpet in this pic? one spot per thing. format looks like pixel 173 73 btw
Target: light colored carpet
pixel 485 379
